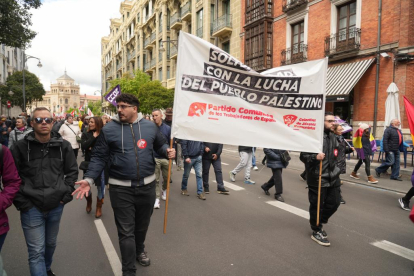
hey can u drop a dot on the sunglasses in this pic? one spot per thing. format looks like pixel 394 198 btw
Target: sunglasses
pixel 40 120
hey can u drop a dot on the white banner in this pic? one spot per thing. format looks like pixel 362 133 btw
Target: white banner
pixel 219 99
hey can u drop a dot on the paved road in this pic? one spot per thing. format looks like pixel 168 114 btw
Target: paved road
pixel 239 234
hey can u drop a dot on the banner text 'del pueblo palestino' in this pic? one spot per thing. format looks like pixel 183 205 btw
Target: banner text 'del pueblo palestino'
pixel 219 99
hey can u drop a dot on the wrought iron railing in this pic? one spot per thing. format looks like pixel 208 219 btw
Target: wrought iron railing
pixel 118 66
pixel 146 66
pixel 131 55
pixel 199 32
pixel 344 41
pixel 147 41
pixel 153 37
pixel 222 22
pixel 153 62
pixel 175 18
pixel 288 5
pixel 186 9
pixel 296 54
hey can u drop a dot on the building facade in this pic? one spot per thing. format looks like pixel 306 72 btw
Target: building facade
pixel 145 37
pixel 283 32
pixel 63 94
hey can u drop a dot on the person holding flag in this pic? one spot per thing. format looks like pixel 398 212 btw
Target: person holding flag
pixel 365 145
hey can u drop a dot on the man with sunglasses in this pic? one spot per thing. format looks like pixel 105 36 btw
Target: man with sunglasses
pixel 330 197
pixel 48 170
pixel 126 146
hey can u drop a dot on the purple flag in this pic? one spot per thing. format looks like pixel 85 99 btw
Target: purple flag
pixel 346 127
pixel 111 96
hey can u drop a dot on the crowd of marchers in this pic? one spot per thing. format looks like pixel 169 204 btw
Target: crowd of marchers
pixel 128 153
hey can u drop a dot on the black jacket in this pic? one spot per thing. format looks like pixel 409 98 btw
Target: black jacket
pixel 57 126
pixel 245 149
pixel 214 149
pixel 330 169
pixel 191 149
pixel 391 139
pixel 87 144
pixel 274 160
pixel 48 172
pixel 343 150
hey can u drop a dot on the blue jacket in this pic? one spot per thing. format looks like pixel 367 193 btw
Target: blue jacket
pixel 191 149
pixel 166 131
pixel 273 159
pixel 116 146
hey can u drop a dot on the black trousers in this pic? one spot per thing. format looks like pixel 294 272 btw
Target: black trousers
pixel 75 151
pixel 133 207
pixel 275 180
pixel 367 162
pixel 217 171
pixel 330 201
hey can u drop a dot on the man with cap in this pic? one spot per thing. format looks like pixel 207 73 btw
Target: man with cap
pixel 168 116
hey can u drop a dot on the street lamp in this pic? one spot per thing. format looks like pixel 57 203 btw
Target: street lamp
pixel 174 42
pixel 39 64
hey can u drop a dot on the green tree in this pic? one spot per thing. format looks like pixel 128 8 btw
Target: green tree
pixel 95 107
pixel 34 89
pixel 153 95
pixel 130 84
pixel 15 22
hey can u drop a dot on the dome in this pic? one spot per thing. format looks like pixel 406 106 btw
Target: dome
pixel 65 77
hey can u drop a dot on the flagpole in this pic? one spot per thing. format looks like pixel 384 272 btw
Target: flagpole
pixel 168 190
pixel 319 193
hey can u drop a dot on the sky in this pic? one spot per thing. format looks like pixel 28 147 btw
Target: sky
pixel 69 36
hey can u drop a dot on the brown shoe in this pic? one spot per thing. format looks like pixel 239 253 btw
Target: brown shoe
pixel 372 180
pixel 354 175
pixel 99 203
pixel 89 203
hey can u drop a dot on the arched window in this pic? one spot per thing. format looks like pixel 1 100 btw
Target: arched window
pixel 66 101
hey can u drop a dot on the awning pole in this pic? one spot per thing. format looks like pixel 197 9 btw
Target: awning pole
pixel 378 69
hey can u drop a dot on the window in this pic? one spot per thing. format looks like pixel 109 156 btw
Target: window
pixel 298 31
pixel 160 75
pixel 226 7
pixel 200 19
pixel 139 18
pixel 160 23
pixel 168 72
pixel 226 47
pixel 127 14
pixel 258 46
pixel 346 21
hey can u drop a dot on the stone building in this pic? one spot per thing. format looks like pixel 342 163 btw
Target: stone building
pixel 283 32
pixel 145 36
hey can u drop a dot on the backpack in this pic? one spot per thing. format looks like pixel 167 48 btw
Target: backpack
pixel 57 126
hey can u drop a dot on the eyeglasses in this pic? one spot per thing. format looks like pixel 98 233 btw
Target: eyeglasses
pixel 123 106
pixel 40 120
pixel 330 121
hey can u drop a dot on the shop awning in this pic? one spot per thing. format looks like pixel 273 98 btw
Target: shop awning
pixel 342 78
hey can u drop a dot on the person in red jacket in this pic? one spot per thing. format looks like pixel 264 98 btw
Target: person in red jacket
pixel 11 184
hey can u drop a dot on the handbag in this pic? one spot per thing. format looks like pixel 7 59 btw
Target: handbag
pixel 78 139
pixel 285 157
pixel 84 165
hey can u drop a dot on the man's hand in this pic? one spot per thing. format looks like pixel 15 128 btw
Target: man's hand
pixel 207 149
pixel 320 156
pixel 214 156
pixel 352 148
pixel 171 153
pixel 188 160
pixel 83 190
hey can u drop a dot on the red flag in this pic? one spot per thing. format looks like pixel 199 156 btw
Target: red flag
pixel 409 110
pixel 73 113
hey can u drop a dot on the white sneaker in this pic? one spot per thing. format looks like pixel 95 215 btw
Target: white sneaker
pixel 157 204
pixel 255 168
pixel 164 195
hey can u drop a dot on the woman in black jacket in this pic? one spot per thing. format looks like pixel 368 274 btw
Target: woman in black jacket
pixel 274 161
pixel 87 143
pixel 343 150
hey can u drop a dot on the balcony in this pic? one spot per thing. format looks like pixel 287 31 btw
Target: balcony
pixel 175 22
pixel 147 43
pixel 119 66
pixel 153 37
pixel 345 43
pixel 173 52
pixel 131 55
pixel 153 63
pixel 296 54
pixel 290 5
pixel 186 12
pixel 146 66
pixel 222 27
pixel 199 32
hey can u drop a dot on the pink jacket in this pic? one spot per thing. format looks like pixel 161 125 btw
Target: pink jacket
pixel 11 185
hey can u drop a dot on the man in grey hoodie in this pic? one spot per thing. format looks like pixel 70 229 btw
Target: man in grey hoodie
pixel 126 146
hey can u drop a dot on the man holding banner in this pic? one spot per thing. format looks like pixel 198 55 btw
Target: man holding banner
pixel 330 194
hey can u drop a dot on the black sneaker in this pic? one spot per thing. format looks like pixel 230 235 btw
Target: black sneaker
pixel 405 204
pixel 143 259
pixel 324 234
pixel 206 190
pixel 319 238
pixel 265 190
pixel 377 174
pixel 223 191
pixel 396 179
pixel 50 273
pixel 342 200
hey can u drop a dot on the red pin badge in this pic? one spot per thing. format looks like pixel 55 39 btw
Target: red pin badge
pixel 142 144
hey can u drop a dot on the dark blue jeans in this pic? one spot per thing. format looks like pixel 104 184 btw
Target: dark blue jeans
pixel 392 159
pixel 217 171
pixel 2 239
pixel 133 207
pixel 197 164
pixel 40 231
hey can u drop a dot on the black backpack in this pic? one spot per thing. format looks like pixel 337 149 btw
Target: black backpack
pixel 57 126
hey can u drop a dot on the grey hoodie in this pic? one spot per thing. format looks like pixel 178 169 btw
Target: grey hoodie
pixel 16 135
pixel 128 151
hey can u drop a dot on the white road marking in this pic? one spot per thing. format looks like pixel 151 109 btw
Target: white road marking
pixel 289 208
pixel 109 248
pixel 224 163
pixel 395 248
pixel 232 186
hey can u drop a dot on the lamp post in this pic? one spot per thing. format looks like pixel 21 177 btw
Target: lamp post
pixel 173 42
pixel 10 94
pixel 39 64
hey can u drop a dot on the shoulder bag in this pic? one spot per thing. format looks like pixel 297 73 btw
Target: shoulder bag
pixel 285 157
pixel 78 139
